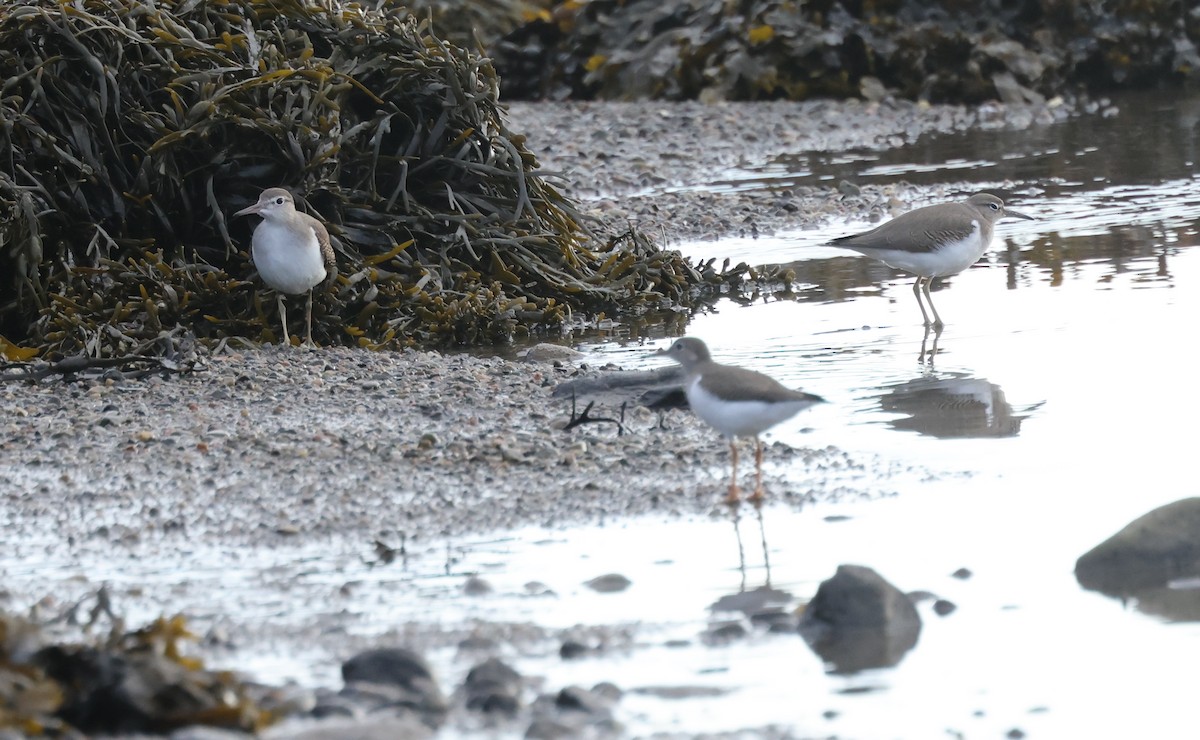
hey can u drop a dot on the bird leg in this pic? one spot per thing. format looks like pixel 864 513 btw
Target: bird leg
pixel 757 497
pixel 937 320
pixel 917 293
pixel 734 496
pixel 283 318
pixel 308 341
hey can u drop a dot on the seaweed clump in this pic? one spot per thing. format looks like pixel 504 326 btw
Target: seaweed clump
pixel 131 130
pixel 958 52
pixel 123 682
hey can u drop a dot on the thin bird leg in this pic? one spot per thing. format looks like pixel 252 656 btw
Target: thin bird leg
pixel 308 320
pixel 937 320
pixel 917 293
pixel 757 497
pixel 734 496
pixel 283 319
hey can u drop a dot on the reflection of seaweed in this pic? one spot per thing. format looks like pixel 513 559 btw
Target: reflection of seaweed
pixel 131 131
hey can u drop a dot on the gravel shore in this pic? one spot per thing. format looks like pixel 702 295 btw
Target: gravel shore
pixel 338 440
pixel 654 163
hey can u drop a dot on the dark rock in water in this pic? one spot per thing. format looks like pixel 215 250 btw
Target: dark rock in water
pixel 572 649
pixel 393 677
pixel 577 698
pixel 1150 551
pixel 608 690
pixel 943 607
pixel 609 583
pixel 493 686
pixel 858 620
pixel 476 586
pixel 387 665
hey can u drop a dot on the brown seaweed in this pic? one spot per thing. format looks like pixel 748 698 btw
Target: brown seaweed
pixel 130 130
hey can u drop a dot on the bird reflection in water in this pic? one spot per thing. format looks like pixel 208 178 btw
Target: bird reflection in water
pixel 926 355
pixel 761 605
pixel 953 405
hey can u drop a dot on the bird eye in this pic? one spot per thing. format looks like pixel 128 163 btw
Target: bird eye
pixel 279 201
pixel 994 206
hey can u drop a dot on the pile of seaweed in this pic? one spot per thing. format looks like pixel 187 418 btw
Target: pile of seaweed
pixel 943 51
pixel 120 682
pixel 131 130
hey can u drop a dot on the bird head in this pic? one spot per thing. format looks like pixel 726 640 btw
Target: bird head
pixel 273 203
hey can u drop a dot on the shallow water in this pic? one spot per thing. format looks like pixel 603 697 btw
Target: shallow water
pixel 1059 406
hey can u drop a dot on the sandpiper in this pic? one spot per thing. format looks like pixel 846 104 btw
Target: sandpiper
pixel 735 401
pixel 933 241
pixel 291 251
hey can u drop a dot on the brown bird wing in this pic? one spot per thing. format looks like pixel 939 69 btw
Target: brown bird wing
pixel 327 253
pixel 922 230
pixel 740 384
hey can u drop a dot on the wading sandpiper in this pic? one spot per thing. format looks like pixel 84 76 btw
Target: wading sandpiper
pixel 933 241
pixel 735 401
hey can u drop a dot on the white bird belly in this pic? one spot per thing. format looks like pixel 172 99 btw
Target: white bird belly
pixel 284 264
pixel 950 258
pixel 739 418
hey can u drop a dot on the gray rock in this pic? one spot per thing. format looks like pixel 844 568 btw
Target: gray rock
pixel 476 586
pixel 392 677
pixel 859 620
pixel 572 649
pixel 388 666
pixel 943 607
pixel 546 352
pixel 493 686
pixel 577 698
pixel 609 583
pixel 1153 549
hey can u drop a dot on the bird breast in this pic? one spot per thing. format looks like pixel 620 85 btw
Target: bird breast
pixel 740 418
pixel 288 257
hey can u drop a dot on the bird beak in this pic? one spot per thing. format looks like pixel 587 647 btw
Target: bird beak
pixel 658 352
pixel 250 209
pixel 1017 214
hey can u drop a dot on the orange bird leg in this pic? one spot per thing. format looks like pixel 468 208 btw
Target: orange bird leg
pixel 734 496
pixel 757 496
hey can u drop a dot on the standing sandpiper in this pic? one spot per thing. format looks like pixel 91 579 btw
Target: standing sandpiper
pixel 933 241
pixel 291 251
pixel 736 402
